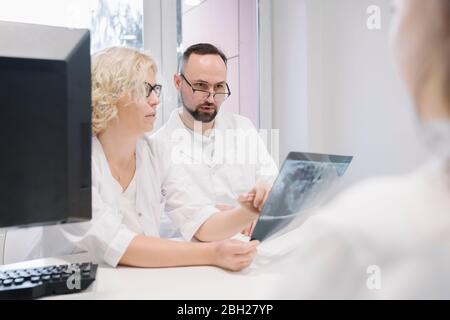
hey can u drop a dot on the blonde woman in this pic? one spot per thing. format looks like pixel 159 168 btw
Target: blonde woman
pixel 126 180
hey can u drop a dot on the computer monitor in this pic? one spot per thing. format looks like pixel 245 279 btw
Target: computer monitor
pixel 45 125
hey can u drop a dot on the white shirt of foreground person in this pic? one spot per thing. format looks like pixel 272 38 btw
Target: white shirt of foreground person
pixel 116 220
pixel 387 238
pixel 219 167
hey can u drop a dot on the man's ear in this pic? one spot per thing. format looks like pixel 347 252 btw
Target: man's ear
pixel 177 81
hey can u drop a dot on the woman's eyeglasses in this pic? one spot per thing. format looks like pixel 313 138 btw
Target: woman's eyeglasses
pixel 149 89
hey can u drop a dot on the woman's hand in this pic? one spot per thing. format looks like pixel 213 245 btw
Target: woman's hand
pixel 234 255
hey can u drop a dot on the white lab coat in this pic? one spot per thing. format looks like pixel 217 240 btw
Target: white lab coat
pixel 229 172
pixel 386 238
pixel 107 236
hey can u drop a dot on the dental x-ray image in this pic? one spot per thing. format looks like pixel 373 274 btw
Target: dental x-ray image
pixel 302 184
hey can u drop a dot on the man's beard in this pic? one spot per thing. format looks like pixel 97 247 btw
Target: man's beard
pixel 204 117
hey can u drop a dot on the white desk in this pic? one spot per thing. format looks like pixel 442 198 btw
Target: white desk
pixel 165 283
pixel 183 283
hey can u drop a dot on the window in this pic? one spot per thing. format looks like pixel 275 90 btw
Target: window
pixel 112 22
pixel 116 23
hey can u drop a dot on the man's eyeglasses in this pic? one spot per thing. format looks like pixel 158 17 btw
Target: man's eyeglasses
pixel 149 89
pixel 201 90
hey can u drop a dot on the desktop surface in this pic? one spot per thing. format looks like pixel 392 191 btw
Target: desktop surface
pixel 180 283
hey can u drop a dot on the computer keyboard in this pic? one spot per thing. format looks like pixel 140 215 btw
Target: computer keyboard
pixel 40 282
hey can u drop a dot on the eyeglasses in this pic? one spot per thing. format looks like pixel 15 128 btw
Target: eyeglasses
pixel 201 92
pixel 149 89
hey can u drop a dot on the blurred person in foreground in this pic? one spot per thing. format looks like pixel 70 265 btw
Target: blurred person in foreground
pixel 389 237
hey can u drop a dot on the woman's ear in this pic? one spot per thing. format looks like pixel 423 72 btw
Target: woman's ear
pixel 123 103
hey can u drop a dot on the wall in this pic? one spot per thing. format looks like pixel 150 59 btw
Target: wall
pixel 160 40
pixel 289 75
pixel 354 102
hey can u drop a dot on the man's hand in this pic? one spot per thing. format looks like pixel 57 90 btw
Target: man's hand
pixel 249 230
pixel 223 207
pixel 260 193
pixel 254 200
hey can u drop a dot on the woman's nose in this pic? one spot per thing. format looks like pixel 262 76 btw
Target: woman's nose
pixel 153 100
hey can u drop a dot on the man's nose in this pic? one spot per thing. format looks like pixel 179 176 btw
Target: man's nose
pixel 211 97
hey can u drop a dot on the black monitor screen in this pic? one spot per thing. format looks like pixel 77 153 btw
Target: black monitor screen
pixel 45 129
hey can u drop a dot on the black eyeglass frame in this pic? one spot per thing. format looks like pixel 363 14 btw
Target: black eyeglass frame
pixel 228 94
pixel 157 88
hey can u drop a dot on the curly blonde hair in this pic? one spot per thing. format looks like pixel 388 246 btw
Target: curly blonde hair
pixel 115 72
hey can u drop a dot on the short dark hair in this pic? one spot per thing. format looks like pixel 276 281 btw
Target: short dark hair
pixel 201 49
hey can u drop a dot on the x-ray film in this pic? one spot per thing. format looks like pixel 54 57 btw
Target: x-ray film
pixel 301 185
